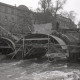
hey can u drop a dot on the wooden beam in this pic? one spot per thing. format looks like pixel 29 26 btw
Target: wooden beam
pixel 47 44
pixel 5 47
pixel 36 39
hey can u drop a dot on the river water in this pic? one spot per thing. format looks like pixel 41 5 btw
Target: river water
pixel 38 70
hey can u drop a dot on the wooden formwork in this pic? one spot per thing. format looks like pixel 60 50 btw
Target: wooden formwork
pixel 25 49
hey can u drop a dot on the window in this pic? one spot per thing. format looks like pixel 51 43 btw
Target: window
pixel 0 7
pixel 12 11
pixel 13 19
pixel 0 17
pixel 6 9
pixel 6 18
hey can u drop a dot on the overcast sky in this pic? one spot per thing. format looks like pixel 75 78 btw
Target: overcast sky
pixel 71 5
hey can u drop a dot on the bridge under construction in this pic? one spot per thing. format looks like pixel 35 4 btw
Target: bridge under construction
pixel 35 45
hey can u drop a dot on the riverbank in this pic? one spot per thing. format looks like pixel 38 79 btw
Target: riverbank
pixel 37 70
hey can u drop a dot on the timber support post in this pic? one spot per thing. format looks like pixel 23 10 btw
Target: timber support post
pixel 23 48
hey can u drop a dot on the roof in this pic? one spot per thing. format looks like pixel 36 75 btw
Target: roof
pixel 11 6
pixel 23 7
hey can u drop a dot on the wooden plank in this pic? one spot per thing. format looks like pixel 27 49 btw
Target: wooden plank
pixel 49 44
pixel 16 51
pixel 5 47
pixel 37 39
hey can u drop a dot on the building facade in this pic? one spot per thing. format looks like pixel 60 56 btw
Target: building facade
pixel 10 17
pixel 65 23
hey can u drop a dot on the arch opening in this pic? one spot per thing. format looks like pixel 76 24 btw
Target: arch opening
pixel 6 46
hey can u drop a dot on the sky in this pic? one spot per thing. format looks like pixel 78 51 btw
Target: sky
pixel 71 5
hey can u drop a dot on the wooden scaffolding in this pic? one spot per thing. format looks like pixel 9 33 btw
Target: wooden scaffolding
pixel 28 43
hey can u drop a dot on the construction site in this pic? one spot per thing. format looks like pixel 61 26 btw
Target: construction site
pixel 40 56
pixel 44 54
pixel 40 44
pixel 61 44
pixel 37 56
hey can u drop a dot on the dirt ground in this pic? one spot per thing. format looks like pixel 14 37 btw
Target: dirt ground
pixel 38 70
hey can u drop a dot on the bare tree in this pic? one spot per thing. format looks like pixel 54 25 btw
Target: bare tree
pixel 70 14
pixel 79 24
pixel 58 5
pixel 45 4
pixel 50 9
